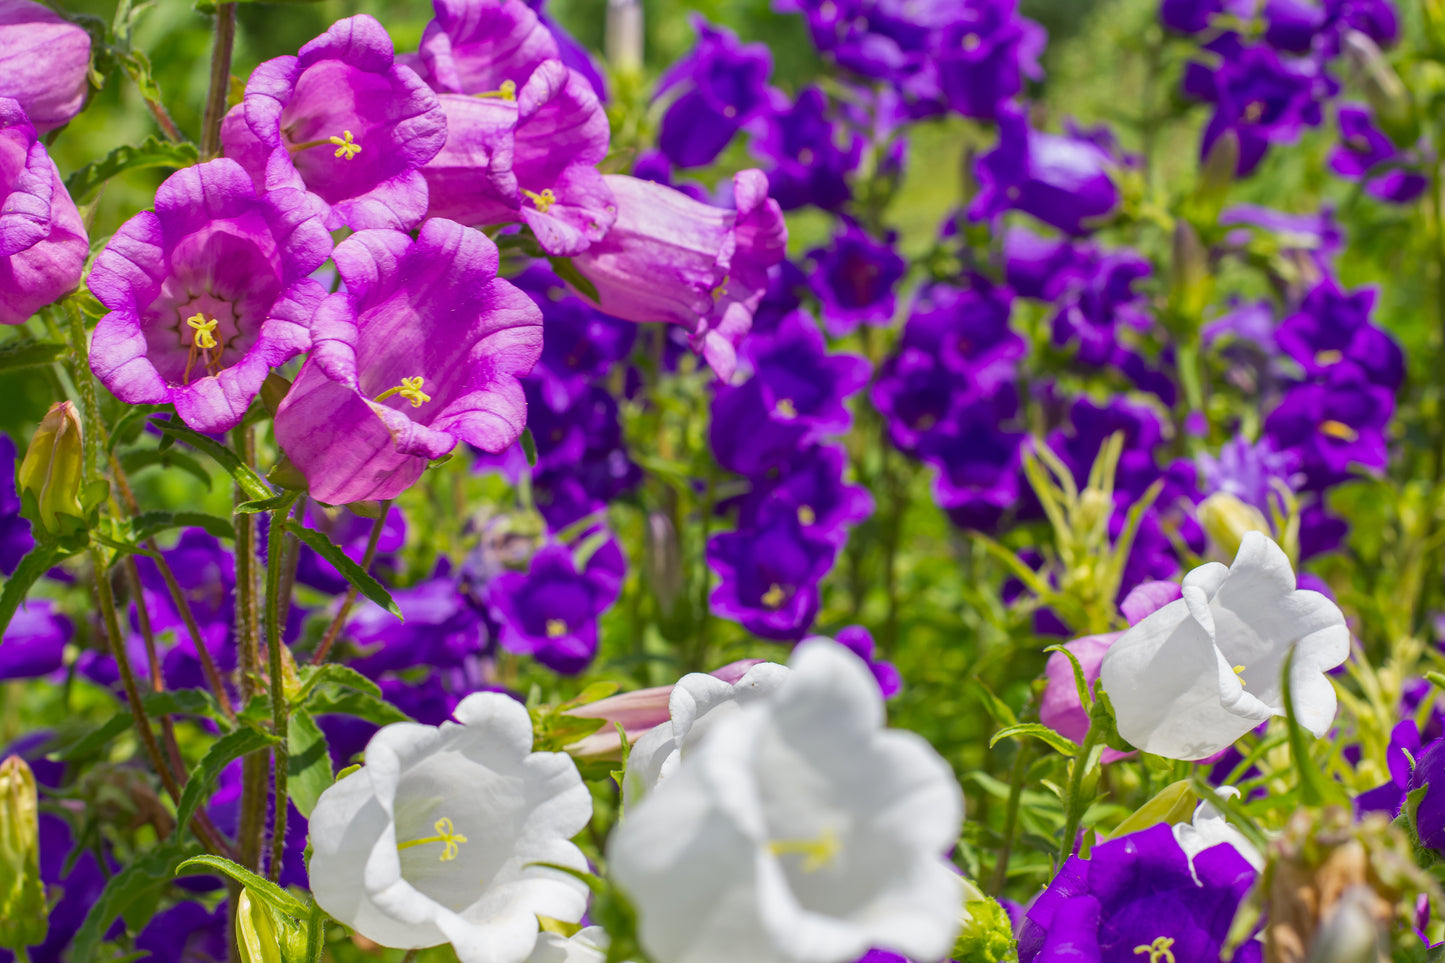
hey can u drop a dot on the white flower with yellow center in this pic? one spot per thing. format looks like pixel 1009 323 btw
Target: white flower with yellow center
pixel 438 837
pixel 797 830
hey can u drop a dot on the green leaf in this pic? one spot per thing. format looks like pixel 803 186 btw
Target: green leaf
pixel 259 886
pixel 30 354
pixel 97 739
pixel 567 271
pixel 139 883
pixel 191 702
pixel 135 461
pixel 85 183
pixel 128 426
pixel 1038 731
pixel 1172 804
pixel 36 563
pixel 348 702
pixel 308 764
pixel 996 707
pixel 233 745
pixel 148 524
pixel 1081 681
pixel 245 477
pixel 266 504
pixel 529 447
pixel 352 572
pixel 313 676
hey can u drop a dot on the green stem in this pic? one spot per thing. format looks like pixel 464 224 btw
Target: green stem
pixel 1074 803
pixel 220 81
pixel 254 775
pixel 280 714
pixel 704 626
pixel 1011 816
pixel 339 622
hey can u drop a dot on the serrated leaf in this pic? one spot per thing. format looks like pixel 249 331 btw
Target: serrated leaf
pixel 313 676
pixel 348 702
pixel 308 763
pixel 147 524
pixel 36 563
pixel 245 477
pixel 142 879
pixel 1038 731
pixel 258 886
pixel 352 572
pixel 266 504
pixel 231 746
pixel 86 182
pixel 98 738
pixel 168 457
pixel 30 354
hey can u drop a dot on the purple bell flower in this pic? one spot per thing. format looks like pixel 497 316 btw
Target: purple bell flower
pixel 979 462
pixel 1248 471
pixel 968 330
pixel 1335 424
pixel 744 433
pixel 769 576
pixel 582 462
pixel 724 86
pixel 186 933
pixel 802 383
pixel 440 629
pixel 1104 301
pixel 1390 797
pixel 1332 327
pixel 855 278
pixel 34 642
pixel 550 613
pixel 1377 19
pixel 344 121
pixel 1429 773
pixel 44 63
pixel 582 345
pixel 15 539
pixel 482 46
pixel 43 245
pixel 1291 25
pixel 422 350
pixel 812 154
pixel 859 641
pixel 1042 267
pixel 984 54
pixel 1195 16
pixel 207 294
pixel 1264 100
pixel 1063 181
pixel 669 258
pixel 1364 149
pixel 810 485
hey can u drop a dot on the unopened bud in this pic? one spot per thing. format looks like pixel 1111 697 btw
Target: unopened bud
pixel 987 933
pixel 1216 175
pixel 51 470
pixel 1388 96
pixel 624 35
pixel 1226 519
pixel 1190 282
pixel 23 918
pixel 665 568
pixel 267 936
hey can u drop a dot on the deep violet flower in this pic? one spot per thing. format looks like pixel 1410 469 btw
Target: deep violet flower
pixel 979 461
pixel 422 350
pixel 1364 150
pixel 582 343
pixel 15 539
pixel 769 576
pixel 439 629
pixel 812 154
pixel 207 293
pixel 43 245
pixel 855 278
pixel 984 55
pixel 34 641
pixel 1061 180
pixel 1194 16
pixel 550 612
pixel 1429 773
pixel 859 641
pixel 801 381
pixel 344 121
pixel 482 46
pixel 44 63
pixel 810 484
pixel 669 258
pixel 1140 891
pixel 530 160
pixel 1332 327
pixel 1100 304
pixel 723 85
pixel 185 933
pixel 1389 797
pixel 1335 424
pixel 1264 100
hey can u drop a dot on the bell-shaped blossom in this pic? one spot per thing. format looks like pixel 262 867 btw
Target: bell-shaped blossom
pixel 1199 673
pixel 185 933
pixel 723 85
pixel 985 54
pixel 582 345
pixel 207 293
pixel 769 575
pixel 812 154
pixel 44 63
pixel 530 160
pixel 798 829
pixel 1195 16
pixel 1366 154
pixel 483 46
pixel 1335 424
pixel 802 382
pixel 550 612
pixel 670 258
pixel 439 837
pixel 43 245
pixel 695 704
pixel 1209 828
pixel 439 628
pixel 587 945
pixel 1429 774
pixel 1140 897
pixel 422 350
pixel 1400 756
pixel 34 642
pixel 856 278
pixel 1063 181
pixel 1258 96
pixel 810 485
pixel 344 121
pixel 1332 327
pixel 979 459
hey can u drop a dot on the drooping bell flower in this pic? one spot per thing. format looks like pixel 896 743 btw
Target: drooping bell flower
pixel 670 258
pixel 44 63
pixel 724 86
pixel 530 159
pixel 207 293
pixel 43 245
pixel 344 121
pixel 483 46
pixel 422 350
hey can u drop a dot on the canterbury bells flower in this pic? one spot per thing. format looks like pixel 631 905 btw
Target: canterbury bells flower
pixel 797 830
pixel 438 837
pixel 1199 673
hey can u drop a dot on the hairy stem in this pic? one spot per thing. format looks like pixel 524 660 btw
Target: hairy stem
pixel 280 711
pixel 1074 803
pixel 220 81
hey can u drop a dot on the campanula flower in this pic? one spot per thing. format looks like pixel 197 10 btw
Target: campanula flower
pixel 810 484
pixel 1335 424
pixel 550 612
pixel 1262 98
pixel 802 382
pixel 34 642
pixel 483 46
pixel 856 279
pixel 1333 327
pixel 44 63
pixel 769 575
pixel 722 86
pixel 812 154
pixel 1363 153
pixel 984 55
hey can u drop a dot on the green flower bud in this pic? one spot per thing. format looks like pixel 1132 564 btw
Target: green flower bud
pixel 23 920
pixel 1388 96
pixel 256 931
pixel 1226 519
pixel 987 934
pixel 52 467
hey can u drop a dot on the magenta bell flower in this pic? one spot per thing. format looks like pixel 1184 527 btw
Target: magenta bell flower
pixel 44 62
pixel 422 350
pixel 483 46
pixel 344 121
pixel 533 159
pixel 42 240
pixel 207 293
pixel 670 258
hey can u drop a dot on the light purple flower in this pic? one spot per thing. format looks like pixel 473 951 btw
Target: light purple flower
pixel 207 293
pixel 44 63
pixel 344 121
pixel 670 258
pixel 42 240
pixel 422 350
pixel 480 46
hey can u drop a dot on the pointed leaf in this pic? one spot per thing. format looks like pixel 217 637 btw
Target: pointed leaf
pixel 308 763
pixel 347 702
pixel 36 563
pixel 1038 731
pixel 352 572
pixel 259 886
pixel 245 477
pixel 85 183
pixel 148 524
pixel 233 745
pixel 313 676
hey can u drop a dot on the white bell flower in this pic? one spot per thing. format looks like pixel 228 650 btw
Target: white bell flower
pixel 799 830
pixel 588 945
pixel 698 702
pixel 436 838
pixel 1209 828
pixel 1202 671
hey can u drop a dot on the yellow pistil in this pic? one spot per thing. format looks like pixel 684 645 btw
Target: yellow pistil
pixel 720 290
pixel 542 202
pixel 1329 357
pixel 1340 430
pixel 410 389
pixel 806 515
pixel 204 327
pixel 203 341
pixel 508 91
pixel 446 835
pixel 785 409
pixel 556 628
pixel 817 852
pixel 347 148
pixel 1253 113
pixel 971 42
pixel 1159 951
pixel 775 596
pixel 1239 671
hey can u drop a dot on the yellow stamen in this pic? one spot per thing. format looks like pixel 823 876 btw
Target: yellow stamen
pixel 806 515
pixel 1340 430
pixel 971 42
pixel 1159 951
pixel 722 288
pixel 1325 358
pixel 204 341
pixel 203 326
pixel 817 852
pixel 775 596
pixel 1239 671
pixel 446 834
pixel 508 91
pixel 543 201
pixel 410 389
pixel 785 409
pixel 556 628
pixel 1253 113
pixel 347 148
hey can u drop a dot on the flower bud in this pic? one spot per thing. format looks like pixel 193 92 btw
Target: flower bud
pixel 1387 94
pixel 23 918
pixel 987 935
pixel 1226 519
pixel 255 932
pixel 1216 176
pixel 52 467
pixel 624 35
